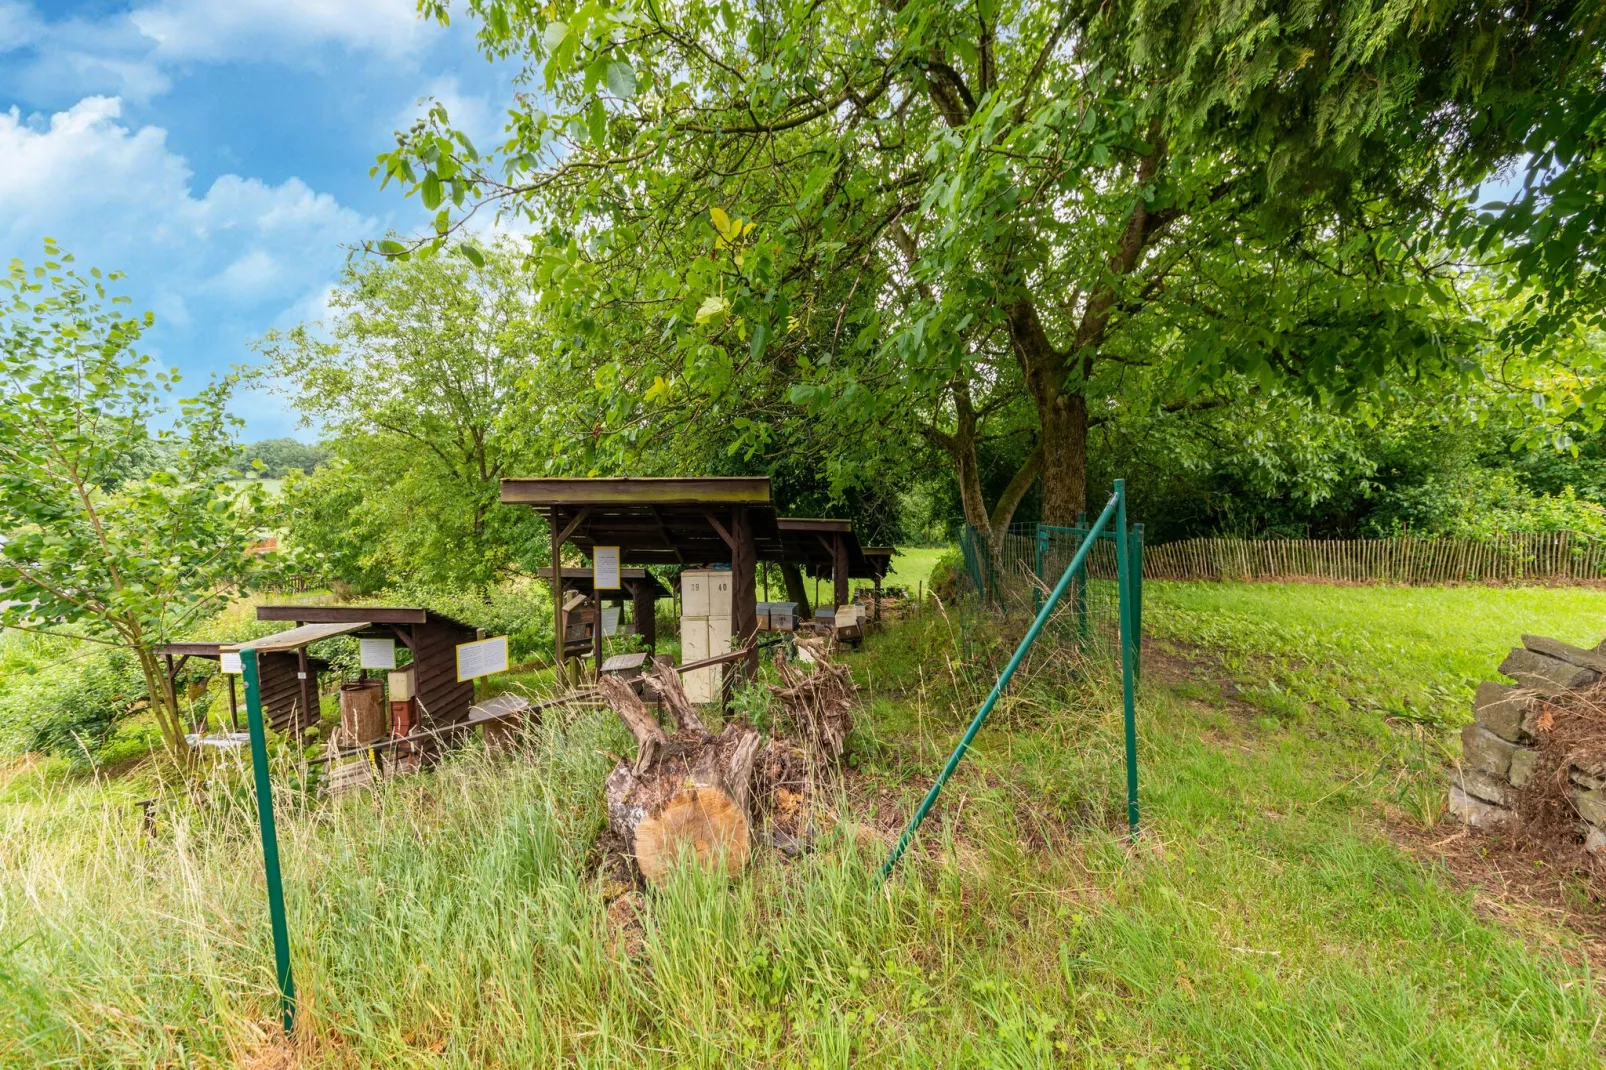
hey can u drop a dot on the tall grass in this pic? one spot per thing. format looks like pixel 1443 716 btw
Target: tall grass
pixel 455 919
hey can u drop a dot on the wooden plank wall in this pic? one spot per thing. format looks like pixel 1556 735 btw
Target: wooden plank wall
pixel 281 692
pixel 443 700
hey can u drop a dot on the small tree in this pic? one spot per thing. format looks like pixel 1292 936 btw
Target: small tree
pixel 119 533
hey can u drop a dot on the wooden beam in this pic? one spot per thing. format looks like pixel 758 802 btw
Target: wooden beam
pixel 839 571
pixel 744 596
pixel 663 531
pixel 713 522
pixel 560 674
pixel 345 614
pixel 568 530
pixel 746 490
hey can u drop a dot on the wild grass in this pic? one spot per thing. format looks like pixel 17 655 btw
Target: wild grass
pixel 452 919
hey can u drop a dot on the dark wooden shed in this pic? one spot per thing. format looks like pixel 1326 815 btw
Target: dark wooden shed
pixel 285 708
pixel 709 520
pixel 829 549
pixel 431 638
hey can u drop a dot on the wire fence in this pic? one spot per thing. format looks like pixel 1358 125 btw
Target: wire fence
pixel 1014 575
pixel 1006 573
pixel 1515 557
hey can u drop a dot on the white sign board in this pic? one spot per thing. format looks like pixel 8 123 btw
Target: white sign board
pixel 610 620
pixel 229 661
pixel 481 658
pixel 605 568
pixel 376 653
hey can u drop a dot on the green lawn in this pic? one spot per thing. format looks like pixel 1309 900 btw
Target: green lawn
pixel 1266 918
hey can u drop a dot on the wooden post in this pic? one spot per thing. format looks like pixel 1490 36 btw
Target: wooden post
pixel 876 615
pixel 596 632
pixel 560 672
pixel 303 674
pixel 645 609
pixel 744 596
pixel 839 569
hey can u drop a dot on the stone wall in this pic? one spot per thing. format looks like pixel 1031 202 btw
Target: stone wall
pixel 1498 750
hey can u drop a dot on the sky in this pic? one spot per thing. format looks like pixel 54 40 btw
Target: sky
pixel 217 151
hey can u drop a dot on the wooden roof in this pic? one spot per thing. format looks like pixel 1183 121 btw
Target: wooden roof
pixel 295 638
pixel 633 490
pixel 804 542
pixel 655 521
pixel 325 614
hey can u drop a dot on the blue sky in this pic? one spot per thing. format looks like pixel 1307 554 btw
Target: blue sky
pixel 218 152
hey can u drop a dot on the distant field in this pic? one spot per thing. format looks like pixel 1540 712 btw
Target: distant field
pixel 270 485
pixel 911 567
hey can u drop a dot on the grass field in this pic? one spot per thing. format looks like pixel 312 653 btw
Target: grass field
pixel 1266 918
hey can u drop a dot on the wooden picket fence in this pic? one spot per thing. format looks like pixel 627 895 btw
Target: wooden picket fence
pixel 1517 557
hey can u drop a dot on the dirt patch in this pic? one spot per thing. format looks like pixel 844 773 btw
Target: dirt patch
pixel 1517 883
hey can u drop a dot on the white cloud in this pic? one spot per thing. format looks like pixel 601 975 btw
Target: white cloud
pixel 218 268
pixel 245 29
pixel 125 194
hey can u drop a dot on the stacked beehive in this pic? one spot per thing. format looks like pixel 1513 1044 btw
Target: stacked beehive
pixel 1498 750
pixel 705 628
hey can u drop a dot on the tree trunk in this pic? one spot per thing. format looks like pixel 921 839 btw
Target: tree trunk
pixel 1064 458
pixel 1061 414
pixel 684 793
pixel 795 591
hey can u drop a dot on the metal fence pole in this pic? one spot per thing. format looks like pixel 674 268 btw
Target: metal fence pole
pixel 1037 568
pixel 1126 615
pixel 270 840
pixel 1077 563
pixel 1137 598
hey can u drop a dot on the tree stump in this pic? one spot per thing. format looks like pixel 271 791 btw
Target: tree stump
pixel 688 792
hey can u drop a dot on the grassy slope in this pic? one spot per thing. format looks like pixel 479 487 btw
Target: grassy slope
pixel 1263 922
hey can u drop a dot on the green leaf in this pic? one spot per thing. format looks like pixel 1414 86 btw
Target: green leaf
pixel 430 191
pixel 472 255
pixel 621 79
pixel 713 307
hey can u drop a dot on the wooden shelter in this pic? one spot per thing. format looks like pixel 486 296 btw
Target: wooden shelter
pixel 289 706
pixel 828 549
pixel 636 585
pixel 431 638
pixel 701 521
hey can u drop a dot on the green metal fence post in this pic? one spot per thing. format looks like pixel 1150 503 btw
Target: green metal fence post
pixel 1079 596
pixel 1124 584
pixel 1077 563
pixel 270 840
pixel 1037 568
pixel 1137 598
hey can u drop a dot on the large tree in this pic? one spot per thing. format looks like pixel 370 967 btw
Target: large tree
pixel 888 194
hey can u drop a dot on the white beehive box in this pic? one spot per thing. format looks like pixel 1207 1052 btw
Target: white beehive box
pixel 694 593
pixel 693 639
pixel 847 616
pixel 719 594
pixel 719 636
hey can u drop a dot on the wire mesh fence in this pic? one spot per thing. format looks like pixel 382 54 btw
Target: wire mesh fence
pixel 1014 574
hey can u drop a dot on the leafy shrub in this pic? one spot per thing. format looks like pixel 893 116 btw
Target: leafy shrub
pixel 948 579
pixel 72 707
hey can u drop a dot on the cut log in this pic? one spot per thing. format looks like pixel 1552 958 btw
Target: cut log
pixel 685 794
pixel 692 801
